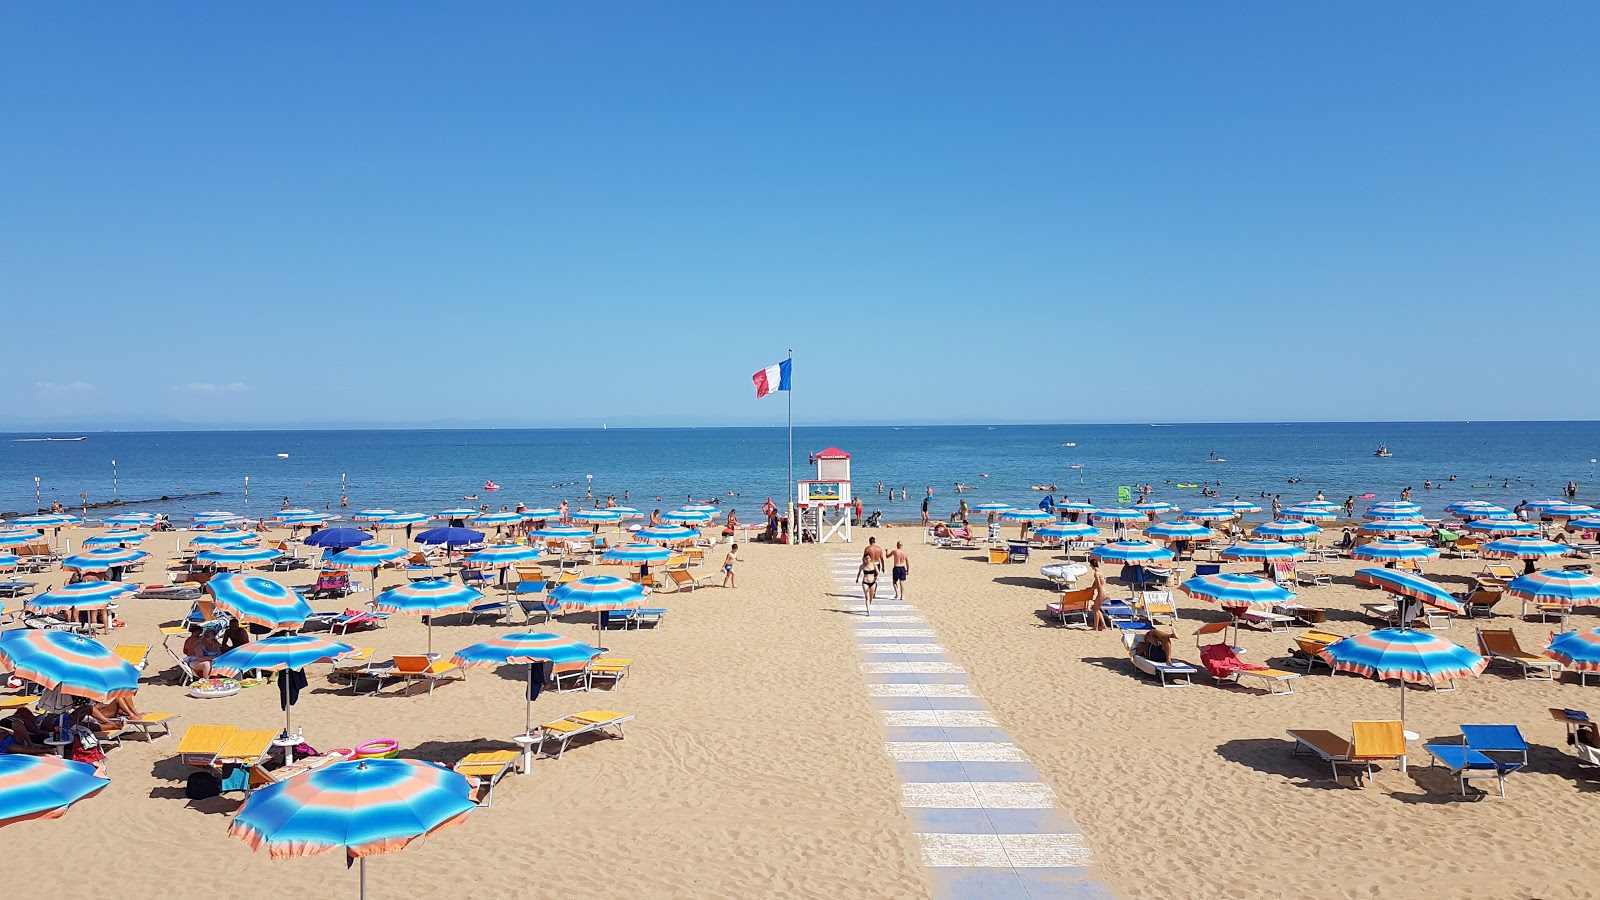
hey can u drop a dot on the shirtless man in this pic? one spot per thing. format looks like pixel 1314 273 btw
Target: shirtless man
pixel 874 553
pixel 901 561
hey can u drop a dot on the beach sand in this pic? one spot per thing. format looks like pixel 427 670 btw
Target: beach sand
pixel 757 767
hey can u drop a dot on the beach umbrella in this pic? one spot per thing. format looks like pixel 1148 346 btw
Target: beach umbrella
pixel 598 594
pixel 1264 551
pixel 1410 656
pixel 1239 507
pixel 1403 507
pixel 1136 553
pixel 46 520
pixel 1066 531
pixel 401 520
pixel 9 561
pixel 1566 586
pixel 1076 506
pixel 366 556
pixel 450 537
pixel 1118 514
pixel 1460 505
pixel 1321 504
pixel 500 555
pixel 1286 530
pixel 606 516
pixel 1540 505
pixel 83 595
pixel 1233 591
pixel 1207 514
pixel 1027 515
pixel 1393 551
pixel 1307 513
pixel 1154 506
pixel 42 787
pixel 1528 548
pixel 497 519
pixel 1502 527
pixel 700 507
pixel 686 517
pixel 635 555
pixel 338 538
pixel 1381 515
pixel 237 555
pixel 989 509
pixel 254 600
pixel 364 807
pixel 216 517
pixel 434 597
pixel 373 515
pixel 68 663
pixel 1570 511
pixel 103 559
pixel 291 512
pixel 226 537
pixel 131 520
pixel 1178 531
pixel 528 649
pixel 460 512
pixel 1584 523
pixel 116 538
pixel 1575 650
pixel 666 534
pixel 627 512
pixel 539 515
pixel 559 533
pixel 305 519
pixel 18 537
pixel 285 652
pixel 1395 529
pixel 1406 584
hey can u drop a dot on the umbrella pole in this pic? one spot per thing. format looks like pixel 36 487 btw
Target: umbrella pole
pixel 527 719
pixel 363 878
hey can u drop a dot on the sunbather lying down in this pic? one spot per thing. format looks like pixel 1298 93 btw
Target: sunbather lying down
pixel 1155 645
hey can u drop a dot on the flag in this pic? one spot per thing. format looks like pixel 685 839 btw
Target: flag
pixel 772 378
pixel 1124 495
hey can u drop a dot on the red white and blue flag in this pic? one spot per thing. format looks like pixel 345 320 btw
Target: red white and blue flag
pixel 772 378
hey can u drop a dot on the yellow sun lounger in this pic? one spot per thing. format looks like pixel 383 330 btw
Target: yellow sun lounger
pixel 1370 743
pixel 613 669
pixel 486 769
pixel 135 654
pixel 591 721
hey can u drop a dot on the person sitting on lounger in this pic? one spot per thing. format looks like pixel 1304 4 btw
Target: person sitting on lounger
pixel 20 732
pixel 1155 645
pixel 199 649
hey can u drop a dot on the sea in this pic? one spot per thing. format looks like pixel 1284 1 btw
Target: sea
pixel 254 472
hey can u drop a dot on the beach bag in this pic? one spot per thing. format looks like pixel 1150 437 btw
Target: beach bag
pixel 202 786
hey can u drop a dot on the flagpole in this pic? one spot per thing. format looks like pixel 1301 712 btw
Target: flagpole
pixel 792 524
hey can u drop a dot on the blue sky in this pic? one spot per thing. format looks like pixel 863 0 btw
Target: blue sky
pixel 416 213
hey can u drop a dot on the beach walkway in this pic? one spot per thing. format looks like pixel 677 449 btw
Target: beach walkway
pixel 987 825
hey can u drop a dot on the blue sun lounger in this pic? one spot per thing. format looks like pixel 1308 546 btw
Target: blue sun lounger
pixel 1472 759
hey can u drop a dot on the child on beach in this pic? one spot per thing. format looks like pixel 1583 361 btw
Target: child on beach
pixel 727 566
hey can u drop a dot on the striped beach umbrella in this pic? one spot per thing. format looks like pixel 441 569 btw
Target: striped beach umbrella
pixel 285 652
pixel 459 512
pixel 1207 514
pixel 1502 527
pixel 47 520
pixel 627 512
pixel 1233 591
pixel 1027 515
pixel 1307 513
pixel 433 597
pixel 9 561
pixel 1403 507
pixel 1537 505
pixel 498 519
pixel 304 520
pixel 686 517
pixel 599 594
pixel 1529 548
pixel 1395 529
pixel 401 520
pixel 69 663
pixel 42 787
pixel 225 537
pixel 635 555
pixel 1286 530
pixel 1066 531
pixel 1076 506
pixel 19 537
pixel 499 555
pixel 254 600
pixel 1584 523
pixel 238 555
pixel 527 649
pixel 1570 511
pixel 1264 551
pixel 1406 584
pixel 83 595
pixel 560 533
pixel 1566 586
pixel 701 507
pixel 215 517
pixel 1320 504
pixel 294 511
pixel 1410 656
pixel 1154 506
pixel 990 509
pixel 1178 531
pixel 373 515
pixel 1119 514
pixel 366 556
pixel 1135 553
pixel 1575 650
pixel 363 807
pixel 1373 514
pixel 1393 551
pixel 117 538
pixel 539 515
pixel 102 559
pixel 606 516
pixel 1486 511
pixel 131 520
pixel 667 534
pixel 1239 507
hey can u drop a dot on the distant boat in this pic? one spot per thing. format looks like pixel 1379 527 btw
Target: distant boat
pixel 47 440
pixel 1070 444
pixel 1383 450
pixel 490 486
pixel 283 456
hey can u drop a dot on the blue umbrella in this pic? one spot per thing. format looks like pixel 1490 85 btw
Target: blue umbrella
pixel 338 538
pixel 498 518
pixel 1374 514
pixel 1308 513
pixel 46 520
pixel 434 597
pixel 1567 586
pixel 400 520
pixel 1395 529
pixel 1208 514
pixel 18 537
pixel 528 648
pixel 1118 514
pixel 1154 506
pixel 83 595
pixel 686 516
pixel 254 600
pixel 499 555
pixel 373 515
pixel 450 537
pixel 285 652
pixel 42 787
pixel 1179 531
pixel 1240 507
pixel 607 516
pixel 131 520
pixel 1405 584
pixel 103 559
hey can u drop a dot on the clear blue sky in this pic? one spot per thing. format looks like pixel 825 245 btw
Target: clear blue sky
pixel 396 213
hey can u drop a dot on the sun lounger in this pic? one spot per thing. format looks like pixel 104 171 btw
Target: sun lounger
pixel 1173 674
pixel 259 776
pixel 1493 750
pixel 637 618
pixel 420 668
pixel 1547 611
pixel 1500 645
pixel 613 669
pixel 1309 646
pixel 17 588
pixel 1583 734
pixel 150 726
pixel 1371 743
pixel 1482 598
pixel 136 655
pixel 1157 608
pixel 1254 617
pixel 1072 603
pixel 493 610
pixel 1222 663
pixel 343 622
pixel 683 579
pixel 485 771
pixel 1312 577
pixel 593 721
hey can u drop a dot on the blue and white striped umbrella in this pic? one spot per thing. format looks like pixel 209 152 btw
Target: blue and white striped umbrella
pixel 1407 584
pixel 498 518
pixel 1208 514
pixel 433 597
pixel 104 558
pixel 297 511
pixel 373 515
pixel 1240 507
pixel 701 507
pixel 1502 527
pixel 1524 548
pixel 1286 530
pixel 254 600
pixel 1027 515
pixel 667 534
pixel 216 517
pixel 305 519
pixel 1119 514
pixel 83 595
pixel 131 520
pixel 500 555
pixel 1178 531
pixel 1320 504
pixel 1132 552
pixel 627 512
pixel 636 555
pixel 1373 514
pixel 1155 506
pixel 1066 531
pixel 990 509
pixel 47 520
pixel 558 533
pixel 1403 507
pixel 459 512
pixel 525 649
pixel 118 538
pixel 276 654
pixel 1231 590
pixel 1478 509
pixel 367 556
pixel 1570 511
pixel 237 555
pixel 1076 506
pixel 9 561
pixel 598 593
pixel 1585 523
pixel 19 537
pixel 541 514
pixel 1307 513
pixel 1394 551
pixel 1567 586
pixel 1540 505
pixel 227 537
pixel 597 516
pixel 1408 528
pixel 1263 551
pixel 401 520
pixel 686 516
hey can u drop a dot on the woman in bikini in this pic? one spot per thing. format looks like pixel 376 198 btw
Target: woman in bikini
pixel 867 577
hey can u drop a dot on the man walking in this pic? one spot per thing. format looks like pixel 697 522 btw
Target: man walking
pixel 900 562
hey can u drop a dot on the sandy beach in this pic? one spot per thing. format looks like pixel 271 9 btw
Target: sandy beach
pixel 757 765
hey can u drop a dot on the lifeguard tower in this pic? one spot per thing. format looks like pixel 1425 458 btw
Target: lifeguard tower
pixel 824 502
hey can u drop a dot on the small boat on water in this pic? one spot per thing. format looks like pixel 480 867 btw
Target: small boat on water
pixel 490 486
pixel 283 456
pixel 48 440
pixel 1383 451
pixel 1070 444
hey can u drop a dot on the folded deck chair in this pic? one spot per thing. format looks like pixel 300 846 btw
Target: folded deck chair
pixel 1491 750
pixel 683 579
pixel 486 769
pixel 1309 646
pixel 592 721
pixel 1500 645
pixel 1181 674
pixel 421 668
pixel 1312 577
pixel 1221 661
pixel 1072 603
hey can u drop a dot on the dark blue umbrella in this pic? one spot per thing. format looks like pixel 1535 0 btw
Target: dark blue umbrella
pixel 450 537
pixel 340 538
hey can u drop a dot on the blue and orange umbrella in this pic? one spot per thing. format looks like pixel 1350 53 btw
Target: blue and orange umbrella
pixel 83 595
pixel 1263 551
pixel 1394 551
pixel 1409 656
pixel 214 518
pixel 1576 650
pixel 285 652
pixel 1584 523
pixel 1239 507
pixel 131 520
pixel 366 556
pixel 1027 515
pixel 254 600
pixel 1155 506
pixel 645 554
pixel 47 520
pixel 1401 528
pixel 1565 586
pixel 529 648
pixel 9 561
pixel 1286 530
pixel 42 787
pixel 499 555
pixel 401 520
pixel 1308 513
pixel 558 533
pixel 1374 514
pixel 1405 584
pixel 1231 590
pixel 225 537
pixel 1118 514
pixel 1502 527
pixel 1076 506
pixel 452 536
pixel 364 807
pixel 541 514
pixel 120 537
pixel 1400 507
pixel 104 558
pixel 69 663
pixel 18 537
pixel 1529 548
pixel 1135 553
pixel 239 555
pixel 686 517
pixel 607 516
pixel 665 534
pixel 599 594
pixel 433 597
pixel 1178 531
pixel 1570 511
pixel 299 520
pixel 498 519
pixel 1208 514
pixel 1065 531
pixel 373 515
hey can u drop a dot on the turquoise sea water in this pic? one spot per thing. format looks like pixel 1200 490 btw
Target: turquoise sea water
pixel 423 471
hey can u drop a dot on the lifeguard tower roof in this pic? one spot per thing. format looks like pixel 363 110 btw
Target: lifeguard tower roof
pixel 833 453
